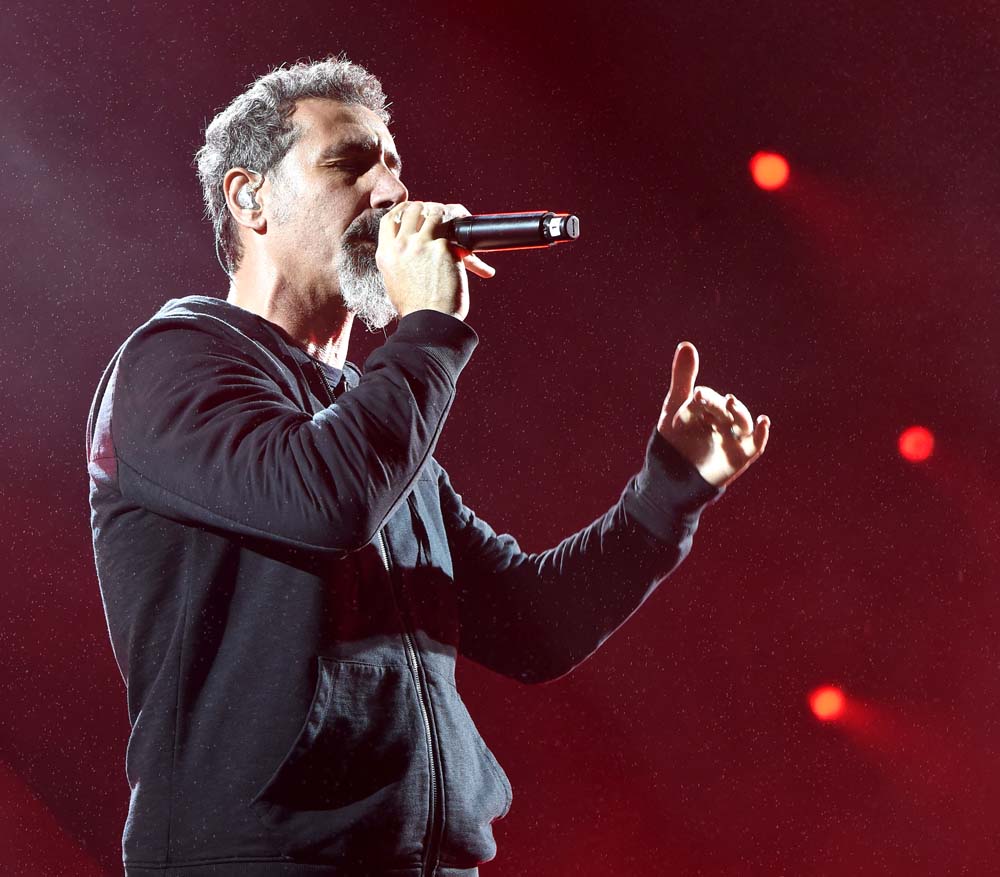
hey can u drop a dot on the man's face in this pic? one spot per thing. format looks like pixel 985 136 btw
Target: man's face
pixel 327 197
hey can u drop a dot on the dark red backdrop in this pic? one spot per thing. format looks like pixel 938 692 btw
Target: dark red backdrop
pixel 857 301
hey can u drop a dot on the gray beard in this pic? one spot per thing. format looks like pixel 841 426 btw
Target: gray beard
pixel 362 287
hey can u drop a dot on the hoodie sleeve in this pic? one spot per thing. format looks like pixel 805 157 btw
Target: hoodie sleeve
pixel 534 617
pixel 203 433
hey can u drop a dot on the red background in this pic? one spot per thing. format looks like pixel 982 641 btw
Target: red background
pixel 855 302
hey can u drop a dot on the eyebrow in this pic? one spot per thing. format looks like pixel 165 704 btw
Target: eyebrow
pixel 360 146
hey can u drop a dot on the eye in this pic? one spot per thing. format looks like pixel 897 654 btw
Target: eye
pixel 351 168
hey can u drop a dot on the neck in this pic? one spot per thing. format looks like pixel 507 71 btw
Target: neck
pixel 321 327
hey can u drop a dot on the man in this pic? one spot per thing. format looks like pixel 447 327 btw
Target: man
pixel 287 573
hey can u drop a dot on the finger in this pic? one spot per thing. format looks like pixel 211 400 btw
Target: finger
pixel 388 225
pixel 741 414
pixel 454 211
pixel 713 405
pixel 761 433
pixel 410 217
pixel 477 266
pixel 682 375
pixel 712 417
pixel 431 215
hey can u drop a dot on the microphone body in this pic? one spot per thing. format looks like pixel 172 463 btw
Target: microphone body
pixel 513 231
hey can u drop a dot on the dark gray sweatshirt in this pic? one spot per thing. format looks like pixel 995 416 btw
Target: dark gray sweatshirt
pixel 288 576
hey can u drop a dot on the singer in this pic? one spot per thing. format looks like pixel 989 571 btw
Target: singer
pixel 287 572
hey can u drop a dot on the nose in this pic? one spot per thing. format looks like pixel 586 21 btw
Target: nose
pixel 388 190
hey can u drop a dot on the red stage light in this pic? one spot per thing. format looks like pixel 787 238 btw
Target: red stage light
pixel 916 444
pixel 769 170
pixel 827 703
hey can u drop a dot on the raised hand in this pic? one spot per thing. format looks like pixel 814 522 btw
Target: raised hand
pixel 715 433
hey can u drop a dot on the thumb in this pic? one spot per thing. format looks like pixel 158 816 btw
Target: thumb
pixel 683 375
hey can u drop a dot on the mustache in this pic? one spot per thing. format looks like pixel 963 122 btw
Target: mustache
pixel 365 227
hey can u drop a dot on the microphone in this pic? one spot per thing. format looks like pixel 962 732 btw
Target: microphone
pixel 513 231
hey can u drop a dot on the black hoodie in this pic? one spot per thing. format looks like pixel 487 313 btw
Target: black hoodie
pixel 288 575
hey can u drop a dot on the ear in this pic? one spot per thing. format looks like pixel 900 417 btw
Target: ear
pixel 249 217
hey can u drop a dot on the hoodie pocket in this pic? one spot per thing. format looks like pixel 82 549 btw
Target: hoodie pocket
pixel 477 791
pixel 355 783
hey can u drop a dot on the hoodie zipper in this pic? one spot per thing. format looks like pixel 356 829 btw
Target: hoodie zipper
pixel 434 830
pixel 413 658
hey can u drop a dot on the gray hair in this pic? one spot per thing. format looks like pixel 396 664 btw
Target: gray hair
pixel 255 131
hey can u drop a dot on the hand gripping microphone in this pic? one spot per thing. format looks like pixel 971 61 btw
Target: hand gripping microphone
pixel 513 231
